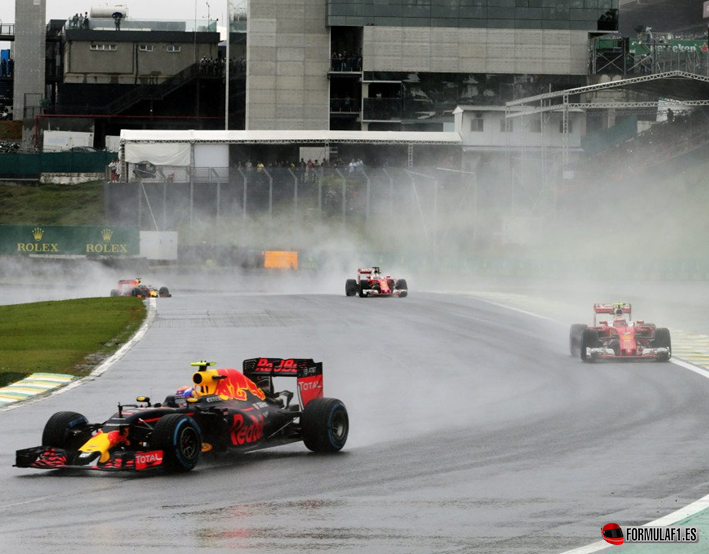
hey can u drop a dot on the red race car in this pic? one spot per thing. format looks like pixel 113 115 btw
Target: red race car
pixel 371 282
pixel 135 287
pixel 619 339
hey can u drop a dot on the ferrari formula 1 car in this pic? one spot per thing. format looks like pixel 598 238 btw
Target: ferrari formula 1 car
pixel 224 409
pixel 619 339
pixel 135 287
pixel 371 282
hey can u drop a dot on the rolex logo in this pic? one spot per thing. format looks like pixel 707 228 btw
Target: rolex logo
pixel 106 234
pixel 37 233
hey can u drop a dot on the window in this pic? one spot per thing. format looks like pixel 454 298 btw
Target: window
pixel 145 47
pixel 476 123
pixel 104 47
pixel 506 125
pixel 173 48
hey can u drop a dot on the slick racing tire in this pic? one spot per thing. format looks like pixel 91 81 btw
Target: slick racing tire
pixel 350 287
pixel 577 330
pixel 164 292
pixel 61 429
pixel 180 439
pixel 662 340
pixel 362 288
pixel 325 425
pixel 136 292
pixel 403 287
pixel 589 339
pixel 115 292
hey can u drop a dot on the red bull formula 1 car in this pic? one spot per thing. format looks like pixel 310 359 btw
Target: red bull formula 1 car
pixel 223 409
pixel 619 339
pixel 371 282
pixel 135 287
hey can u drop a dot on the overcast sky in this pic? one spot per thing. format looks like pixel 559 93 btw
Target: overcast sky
pixel 145 9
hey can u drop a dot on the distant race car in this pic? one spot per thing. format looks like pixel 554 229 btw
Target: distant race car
pixel 224 409
pixel 371 282
pixel 135 287
pixel 620 339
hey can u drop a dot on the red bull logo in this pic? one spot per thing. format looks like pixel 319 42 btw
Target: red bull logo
pixel 246 429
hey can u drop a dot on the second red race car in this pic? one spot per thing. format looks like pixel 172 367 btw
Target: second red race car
pixel 371 282
pixel 619 339
pixel 135 287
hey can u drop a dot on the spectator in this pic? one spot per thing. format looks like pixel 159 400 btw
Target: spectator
pixel 10 67
pixel 75 21
pixel 86 21
pixel 114 167
pixel 117 20
pixel 3 68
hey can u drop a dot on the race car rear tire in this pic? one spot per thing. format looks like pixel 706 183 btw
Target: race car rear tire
pixel 577 330
pixel 164 292
pixel 136 292
pixel 589 339
pixel 663 340
pixel 403 288
pixel 180 439
pixel 325 425
pixel 115 292
pixel 350 287
pixel 58 431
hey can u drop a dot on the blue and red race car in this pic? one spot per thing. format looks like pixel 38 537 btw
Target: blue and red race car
pixel 619 339
pixel 223 410
pixel 135 287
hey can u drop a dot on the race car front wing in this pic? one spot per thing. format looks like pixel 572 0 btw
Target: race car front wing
pixel 49 457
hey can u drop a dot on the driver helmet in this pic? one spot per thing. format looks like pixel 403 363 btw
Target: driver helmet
pixel 619 318
pixel 186 392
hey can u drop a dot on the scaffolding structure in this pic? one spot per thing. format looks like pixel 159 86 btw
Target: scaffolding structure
pixel 665 90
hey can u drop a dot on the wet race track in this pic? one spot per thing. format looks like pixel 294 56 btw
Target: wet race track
pixel 472 430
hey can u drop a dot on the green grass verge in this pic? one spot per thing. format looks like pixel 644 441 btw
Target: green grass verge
pixel 67 336
pixel 52 204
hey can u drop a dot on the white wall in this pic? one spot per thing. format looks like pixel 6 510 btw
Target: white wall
pixel 211 155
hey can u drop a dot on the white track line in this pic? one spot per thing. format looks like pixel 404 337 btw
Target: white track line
pixel 105 366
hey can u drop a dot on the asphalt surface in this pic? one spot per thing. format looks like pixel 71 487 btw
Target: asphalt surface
pixel 472 430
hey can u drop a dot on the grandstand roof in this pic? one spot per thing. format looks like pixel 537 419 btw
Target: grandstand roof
pixel 290 137
pixel 675 85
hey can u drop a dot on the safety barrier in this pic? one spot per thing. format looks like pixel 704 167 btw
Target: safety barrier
pixel 28 166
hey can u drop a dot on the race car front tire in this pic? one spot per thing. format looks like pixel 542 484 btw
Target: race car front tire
pixel 403 288
pixel 350 287
pixel 589 339
pixel 325 425
pixel 60 430
pixel 115 292
pixel 663 340
pixel 577 330
pixel 180 439
pixel 164 292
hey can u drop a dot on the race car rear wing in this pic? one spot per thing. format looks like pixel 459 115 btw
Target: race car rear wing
pixel 611 309
pixel 307 371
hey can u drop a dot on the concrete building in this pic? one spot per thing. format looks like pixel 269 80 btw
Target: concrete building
pixel 29 82
pixel 406 64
